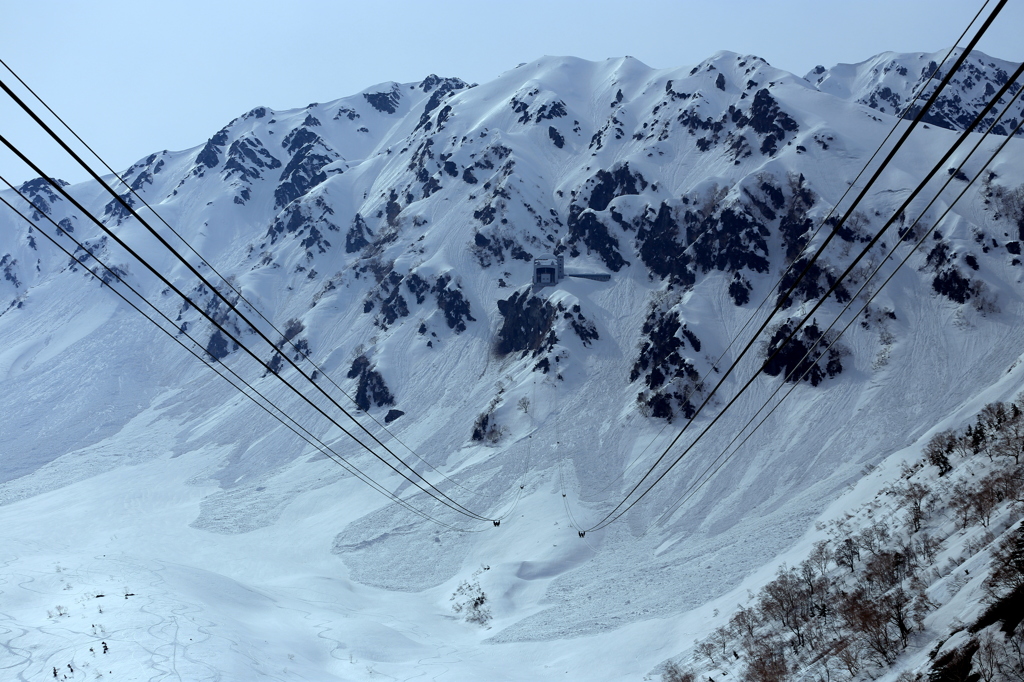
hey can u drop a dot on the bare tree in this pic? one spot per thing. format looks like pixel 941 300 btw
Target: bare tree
pixel 821 555
pixel 743 623
pixel 767 662
pixel 850 653
pixel 913 496
pixel 847 553
pixel 962 504
pixel 938 449
pixel 708 650
pixel 1007 438
pixel 863 616
pixel 988 658
pixel 873 537
pixel 1007 564
pixel 886 570
pixel 1014 666
pixel 470 601
pixel 785 600
pixel 672 672
pixel 986 498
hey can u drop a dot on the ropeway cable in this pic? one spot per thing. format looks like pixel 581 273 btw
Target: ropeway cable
pixel 231 304
pixel 810 263
pixel 821 224
pixel 694 488
pixel 449 503
pixel 609 517
pixel 921 88
pixel 225 280
pixel 307 436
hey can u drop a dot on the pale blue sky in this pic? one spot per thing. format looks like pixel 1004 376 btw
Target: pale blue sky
pixel 138 77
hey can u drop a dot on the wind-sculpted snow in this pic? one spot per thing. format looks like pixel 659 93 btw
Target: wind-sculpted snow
pixel 390 236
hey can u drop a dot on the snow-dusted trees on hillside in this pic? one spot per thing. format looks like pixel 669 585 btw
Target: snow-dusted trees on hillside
pixel 860 597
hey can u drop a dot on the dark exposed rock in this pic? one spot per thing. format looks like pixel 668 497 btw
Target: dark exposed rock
pixel 671 379
pixel 247 157
pixel 308 220
pixel 527 326
pixel 209 156
pixel 951 283
pixel 40 192
pixel 218 347
pixel 584 328
pixel 452 303
pixel 304 171
pixel 607 185
pixel 810 286
pixel 443 89
pixel 116 211
pixel 393 307
pixel 371 389
pixel 794 226
pixel 385 102
pixel 728 240
pixel 355 238
pixel 551 111
pixel 275 364
pixel 350 114
pixel 660 249
pixel 494 248
pixel 766 118
pixel 418 287
pixel 958 104
pixel 145 170
pixel 739 290
pixel 795 359
pixel 8 263
pixel 392 209
pixel 586 228
pixel 556 137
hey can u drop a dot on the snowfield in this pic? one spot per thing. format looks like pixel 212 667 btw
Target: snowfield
pixel 156 524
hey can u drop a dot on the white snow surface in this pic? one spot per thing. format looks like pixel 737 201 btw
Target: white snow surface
pixel 199 539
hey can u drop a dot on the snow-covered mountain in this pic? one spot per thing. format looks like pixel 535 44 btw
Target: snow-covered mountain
pixel 391 236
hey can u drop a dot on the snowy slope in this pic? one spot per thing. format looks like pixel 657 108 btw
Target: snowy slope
pixel 395 229
pixel 889 82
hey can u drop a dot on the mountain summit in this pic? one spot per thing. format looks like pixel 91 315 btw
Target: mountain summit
pixel 391 237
